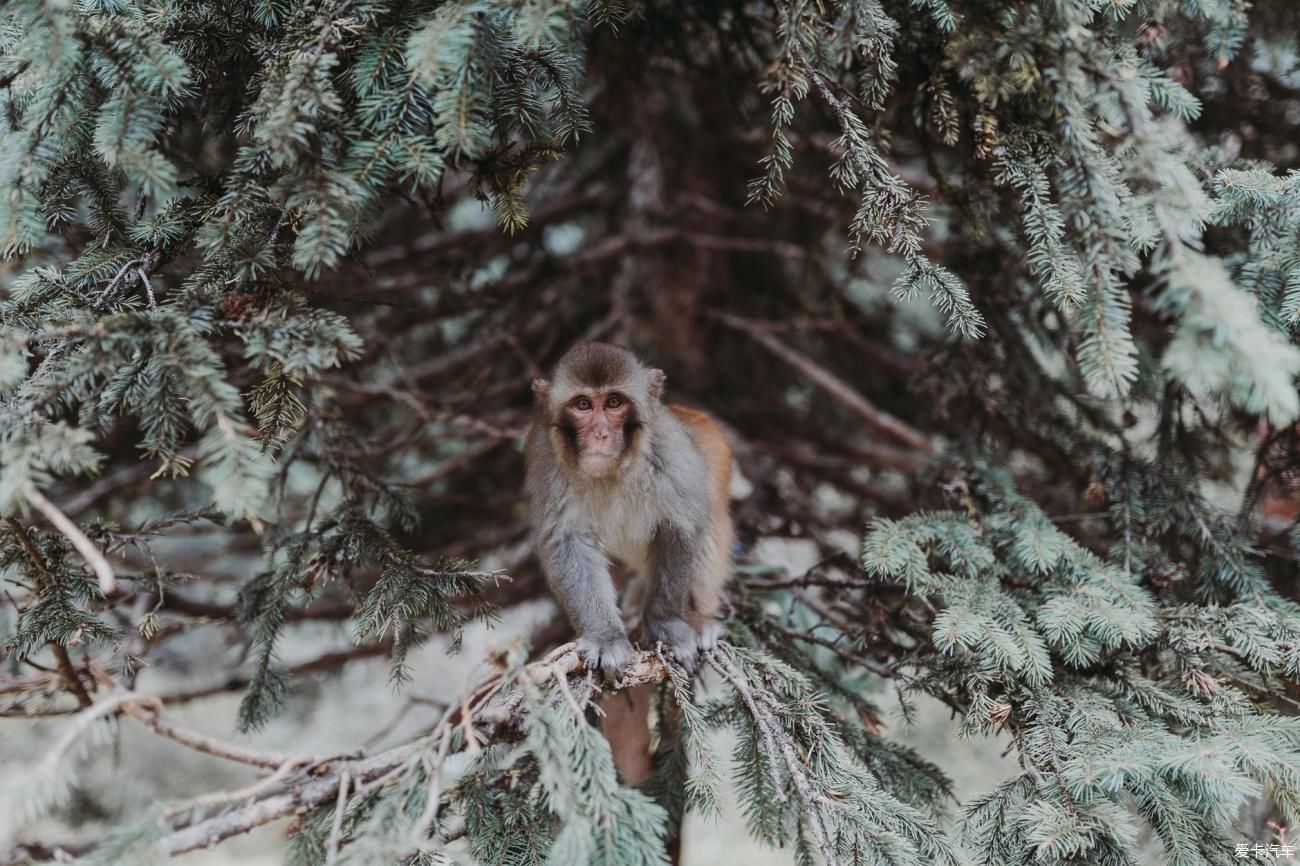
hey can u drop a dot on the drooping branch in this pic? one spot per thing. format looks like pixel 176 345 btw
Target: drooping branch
pixel 489 714
pixel 779 746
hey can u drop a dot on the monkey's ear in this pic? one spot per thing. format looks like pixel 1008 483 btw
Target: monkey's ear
pixel 541 386
pixel 657 379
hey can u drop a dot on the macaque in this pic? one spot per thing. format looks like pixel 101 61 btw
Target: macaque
pixel 614 472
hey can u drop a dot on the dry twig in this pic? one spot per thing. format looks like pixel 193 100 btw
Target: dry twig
pixel 830 383
pixel 87 549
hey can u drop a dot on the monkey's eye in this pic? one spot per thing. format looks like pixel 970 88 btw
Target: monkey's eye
pixel 582 404
pixel 614 401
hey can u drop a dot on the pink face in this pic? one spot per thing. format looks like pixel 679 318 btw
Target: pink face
pixel 599 421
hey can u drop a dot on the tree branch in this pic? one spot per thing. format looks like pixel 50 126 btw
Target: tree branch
pixel 833 385
pixel 90 553
pixel 501 723
pixel 61 658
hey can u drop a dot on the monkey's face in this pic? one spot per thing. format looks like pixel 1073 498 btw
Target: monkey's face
pixel 599 422
pixel 601 409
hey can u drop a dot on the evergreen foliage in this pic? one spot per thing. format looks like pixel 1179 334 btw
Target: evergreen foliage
pixel 1015 286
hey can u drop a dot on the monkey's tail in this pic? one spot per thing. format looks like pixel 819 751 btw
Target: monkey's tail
pixel 627 728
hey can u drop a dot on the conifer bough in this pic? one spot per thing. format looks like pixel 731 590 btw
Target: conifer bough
pixel 1013 285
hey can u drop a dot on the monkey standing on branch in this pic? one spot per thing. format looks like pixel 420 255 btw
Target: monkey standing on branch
pixel 613 471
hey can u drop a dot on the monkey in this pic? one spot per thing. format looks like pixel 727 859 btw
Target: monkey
pixel 612 471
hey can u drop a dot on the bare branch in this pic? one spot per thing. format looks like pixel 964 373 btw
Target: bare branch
pixel 148 712
pixel 221 798
pixel 90 553
pixel 830 383
pixel 322 663
pixel 336 828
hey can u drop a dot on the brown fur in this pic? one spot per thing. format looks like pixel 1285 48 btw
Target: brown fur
pixel 707 588
pixel 627 728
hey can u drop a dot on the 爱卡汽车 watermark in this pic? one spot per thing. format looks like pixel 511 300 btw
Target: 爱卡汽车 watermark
pixel 1266 851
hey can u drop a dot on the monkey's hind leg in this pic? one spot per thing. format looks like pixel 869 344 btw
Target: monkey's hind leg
pixel 709 585
pixel 709 634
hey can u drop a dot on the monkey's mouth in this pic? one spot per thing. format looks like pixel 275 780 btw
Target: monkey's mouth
pixel 598 464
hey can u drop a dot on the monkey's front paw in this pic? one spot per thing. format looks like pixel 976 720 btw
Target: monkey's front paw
pixel 678 638
pixel 611 655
